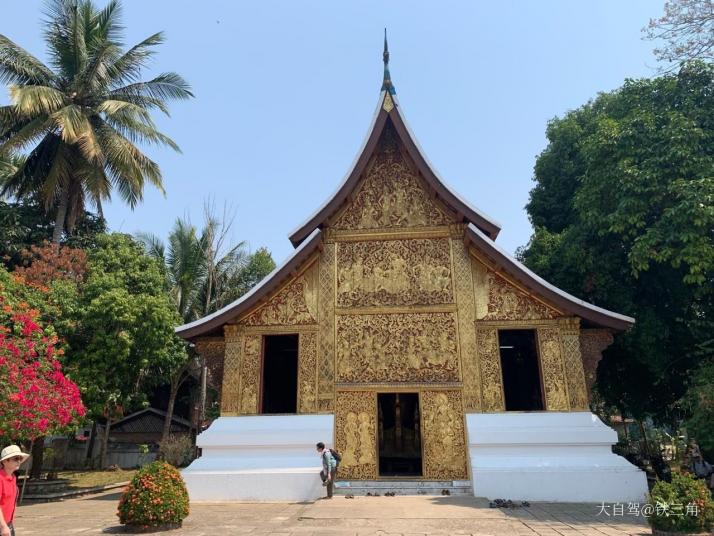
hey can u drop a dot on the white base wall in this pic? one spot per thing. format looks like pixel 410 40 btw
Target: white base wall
pixel 260 458
pixel 549 456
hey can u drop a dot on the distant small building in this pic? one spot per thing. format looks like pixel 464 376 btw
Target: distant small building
pixel 146 426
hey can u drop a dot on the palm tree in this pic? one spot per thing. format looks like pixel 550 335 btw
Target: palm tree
pixel 79 120
pixel 201 270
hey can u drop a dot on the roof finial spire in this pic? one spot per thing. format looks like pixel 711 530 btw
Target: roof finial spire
pixel 387 81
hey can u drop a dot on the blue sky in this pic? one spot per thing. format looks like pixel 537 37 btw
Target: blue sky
pixel 285 92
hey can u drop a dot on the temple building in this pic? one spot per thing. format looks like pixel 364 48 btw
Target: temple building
pixel 399 332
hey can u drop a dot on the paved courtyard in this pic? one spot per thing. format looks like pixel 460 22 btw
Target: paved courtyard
pixel 377 516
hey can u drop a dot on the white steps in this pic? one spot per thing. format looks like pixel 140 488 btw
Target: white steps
pixel 403 487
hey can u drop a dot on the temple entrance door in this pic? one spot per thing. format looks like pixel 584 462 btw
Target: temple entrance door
pixel 399 435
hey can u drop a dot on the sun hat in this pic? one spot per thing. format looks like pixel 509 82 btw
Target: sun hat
pixel 11 452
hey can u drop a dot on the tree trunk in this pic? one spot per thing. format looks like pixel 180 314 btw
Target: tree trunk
pixel 61 216
pixel 38 456
pixel 175 385
pixel 92 439
pixel 105 444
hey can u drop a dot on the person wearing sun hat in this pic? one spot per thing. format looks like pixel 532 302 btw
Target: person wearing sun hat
pixel 11 458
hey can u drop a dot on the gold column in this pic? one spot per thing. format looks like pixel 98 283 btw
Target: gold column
pixel 463 285
pixel 250 373
pixel 574 371
pixel 230 389
pixel 445 451
pixel 489 359
pixel 356 434
pixel 326 363
pixel 307 372
pixel 551 361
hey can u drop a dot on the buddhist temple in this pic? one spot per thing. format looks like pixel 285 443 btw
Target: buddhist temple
pixel 401 334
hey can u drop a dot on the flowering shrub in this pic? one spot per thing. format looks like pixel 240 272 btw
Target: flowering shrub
pixel 684 505
pixel 156 496
pixel 35 397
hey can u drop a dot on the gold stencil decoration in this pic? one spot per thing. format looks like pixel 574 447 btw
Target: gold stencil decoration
pixel 391 195
pixel 467 336
pixel 326 363
pixel 307 372
pixel 551 360
pixel 230 389
pixel 489 359
pixel 445 451
pixel 592 344
pixel 388 104
pixel 397 348
pixel 574 373
pixel 394 272
pixel 497 299
pixel 250 374
pixel 295 304
pixel 356 434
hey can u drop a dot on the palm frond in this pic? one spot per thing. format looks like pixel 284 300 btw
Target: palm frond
pixel 153 245
pixel 127 67
pixel 107 22
pixel 149 103
pixel 33 100
pixel 17 66
pixel 139 132
pixel 71 123
pixel 24 133
pixel 164 87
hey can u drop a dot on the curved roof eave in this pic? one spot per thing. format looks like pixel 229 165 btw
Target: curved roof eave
pixel 349 182
pixel 592 313
pixel 209 323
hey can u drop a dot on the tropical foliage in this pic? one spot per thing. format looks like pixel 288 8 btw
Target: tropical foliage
pixel 623 210
pixel 155 497
pixel 684 505
pixel 79 119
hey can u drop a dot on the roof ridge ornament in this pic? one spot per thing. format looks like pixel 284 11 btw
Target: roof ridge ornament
pixel 387 80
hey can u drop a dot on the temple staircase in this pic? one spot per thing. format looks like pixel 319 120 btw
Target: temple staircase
pixel 403 487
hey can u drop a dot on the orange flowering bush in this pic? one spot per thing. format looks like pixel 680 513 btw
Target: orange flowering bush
pixel 155 497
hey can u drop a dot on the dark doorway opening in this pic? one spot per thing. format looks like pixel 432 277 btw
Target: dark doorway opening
pixel 521 373
pixel 399 434
pixel 280 371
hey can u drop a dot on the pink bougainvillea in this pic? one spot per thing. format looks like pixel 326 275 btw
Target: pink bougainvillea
pixel 36 399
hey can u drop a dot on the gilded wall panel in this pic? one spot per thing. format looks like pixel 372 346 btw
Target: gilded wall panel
pixel 307 373
pixel 250 373
pixel 397 348
pixel 551 362
pixel 574 373
pixel 391 195
pixel 394 272
pixel 356 434
pixel 463 286
pixel 443 435
pixel 489 359
pixel 230 388
pixel 497 299
pixel 326 357
pixel 294 304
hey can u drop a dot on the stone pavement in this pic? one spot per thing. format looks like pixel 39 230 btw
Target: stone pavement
pixel 361 516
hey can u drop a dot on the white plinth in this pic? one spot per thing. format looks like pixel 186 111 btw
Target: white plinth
pixel 549 456
pixel 259 458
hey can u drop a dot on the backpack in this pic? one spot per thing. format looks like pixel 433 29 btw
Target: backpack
pixel 337 456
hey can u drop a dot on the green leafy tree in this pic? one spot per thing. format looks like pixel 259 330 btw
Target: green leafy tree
pixel 124 343
pixel 79 119
pixel 204 273
pixel 623 210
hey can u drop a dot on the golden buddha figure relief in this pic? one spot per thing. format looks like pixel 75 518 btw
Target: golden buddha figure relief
pixel 391 195
pixel 394 272
pixel 444 439
pixel 355 434
pixel 397 348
